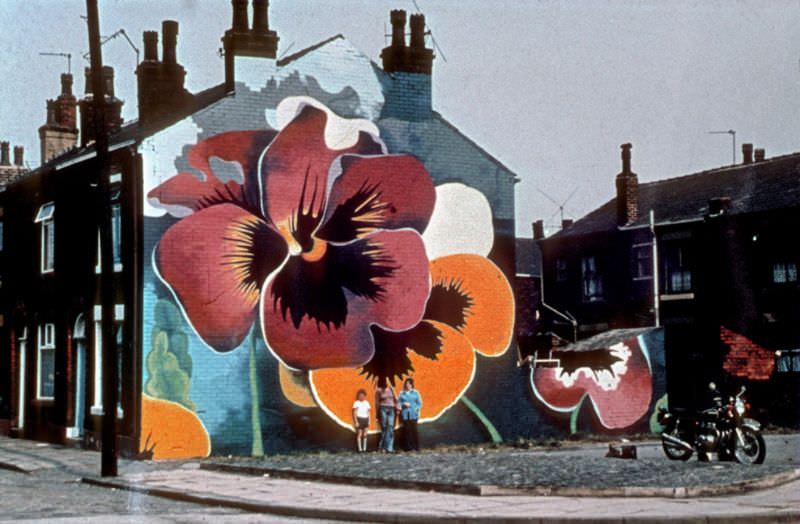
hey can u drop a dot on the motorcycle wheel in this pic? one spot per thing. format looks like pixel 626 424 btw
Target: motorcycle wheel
pixel 674 452
pixel 754 449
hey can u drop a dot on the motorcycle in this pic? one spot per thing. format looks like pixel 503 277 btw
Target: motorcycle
pixel 723 429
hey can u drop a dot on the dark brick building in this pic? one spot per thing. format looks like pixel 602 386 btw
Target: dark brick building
pixel 715 265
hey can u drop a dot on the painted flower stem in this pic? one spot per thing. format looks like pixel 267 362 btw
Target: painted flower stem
pixel 255 403
pixel 493 433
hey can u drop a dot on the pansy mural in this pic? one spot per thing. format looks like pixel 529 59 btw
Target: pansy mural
pixel 615 380
pixel 347 259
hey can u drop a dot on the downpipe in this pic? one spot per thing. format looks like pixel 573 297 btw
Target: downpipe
pixel 677 442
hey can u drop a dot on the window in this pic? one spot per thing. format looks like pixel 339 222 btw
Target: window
pixel 592 282
pixel 642 261
pixel 46 362
pixel 784 272
pixel 45 218
pixel 119 316
pixel 1 235
pixel 561 270
pixel 116 233
pixel 677 268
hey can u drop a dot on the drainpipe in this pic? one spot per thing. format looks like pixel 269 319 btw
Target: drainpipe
pixel 656 298
pixel 569 318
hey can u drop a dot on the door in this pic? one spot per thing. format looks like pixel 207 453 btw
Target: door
pixel 21 399
pixel 79 338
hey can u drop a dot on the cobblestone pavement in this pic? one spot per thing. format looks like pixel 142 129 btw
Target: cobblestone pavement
pixel 586 467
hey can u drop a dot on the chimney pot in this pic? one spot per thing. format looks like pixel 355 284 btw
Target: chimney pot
pixel 19 153
pixel 760 154
pixel 150 39
pixel 398 19
pixel 240 24
pixel 169 29
pixel 4 160
pixel 66 84
pixel 538 230
pixel 626 158
pixel 260 16
pixel 418 31
pixel 108 81
pixel 51 112
pixel 747 153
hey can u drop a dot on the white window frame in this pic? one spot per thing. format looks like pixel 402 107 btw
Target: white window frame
pixel 591 280
pixel 46 218
pixel 97 390
pixel 23 353
pixel 45 341
pixel 116 235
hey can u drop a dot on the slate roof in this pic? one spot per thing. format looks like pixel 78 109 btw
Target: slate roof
pixel 132 131
pixel 762 186
pixel 529 257
pixel 605 340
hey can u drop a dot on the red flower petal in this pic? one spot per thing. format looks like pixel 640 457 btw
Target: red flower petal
pixel 617 407
pixel 382 279
pixel 189 191
pixel 294 171
pixel 379 192
pixel 214 261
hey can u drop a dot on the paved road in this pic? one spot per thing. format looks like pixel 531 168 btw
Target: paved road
pixel 584 467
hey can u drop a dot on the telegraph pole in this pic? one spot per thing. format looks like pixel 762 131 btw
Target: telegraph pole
pixel 103 214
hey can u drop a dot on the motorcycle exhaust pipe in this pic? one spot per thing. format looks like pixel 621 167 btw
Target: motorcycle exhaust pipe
pixel 678 442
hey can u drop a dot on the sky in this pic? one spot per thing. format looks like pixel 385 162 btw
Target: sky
pixel 550 88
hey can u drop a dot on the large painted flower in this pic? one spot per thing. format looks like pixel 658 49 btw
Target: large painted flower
pixel 312 230
pixel 617 381
pixel 470 309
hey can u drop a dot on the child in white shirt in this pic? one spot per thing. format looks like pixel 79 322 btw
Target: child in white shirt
pixel 361 409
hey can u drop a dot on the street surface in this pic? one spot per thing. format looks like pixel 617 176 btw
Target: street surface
pixel 50 491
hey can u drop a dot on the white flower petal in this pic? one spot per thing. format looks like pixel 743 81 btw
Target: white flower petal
pixel 461 222
pixel 340 133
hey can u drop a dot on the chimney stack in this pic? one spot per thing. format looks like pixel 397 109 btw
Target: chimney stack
pixel 161 93
pixel 113 106
pixel 4 158
pixel 566 223
pixel 760 154
pixel 747 153
pixel 538 230
pixel 409 95
pixel 241 41
pixel 60 130
pixel 19 152
pixel 627 190
pixel 398 57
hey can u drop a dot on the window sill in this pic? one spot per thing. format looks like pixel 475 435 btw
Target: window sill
pixel 43 401
pixel 636 279
pixel 98 411
pixel 676 296
pixel 117 269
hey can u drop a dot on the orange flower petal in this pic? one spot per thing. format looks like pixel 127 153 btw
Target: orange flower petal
pixel 441 382
pixel 171 431
pixel 294 385
pixel 489 319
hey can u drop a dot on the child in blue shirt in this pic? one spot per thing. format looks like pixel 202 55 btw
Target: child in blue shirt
pixel 410 404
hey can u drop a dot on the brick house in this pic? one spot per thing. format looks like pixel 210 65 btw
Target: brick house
pixel 195 379
pixel 725 283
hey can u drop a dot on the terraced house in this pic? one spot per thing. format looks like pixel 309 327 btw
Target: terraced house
pixel 306 227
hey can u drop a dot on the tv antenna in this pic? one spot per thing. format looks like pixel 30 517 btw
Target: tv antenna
pixel 120 32
pixel 733 136
pixel 68 56
pixel 559 205
pixel 429 32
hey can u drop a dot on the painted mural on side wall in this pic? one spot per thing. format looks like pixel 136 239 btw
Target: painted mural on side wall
pixel 305 242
